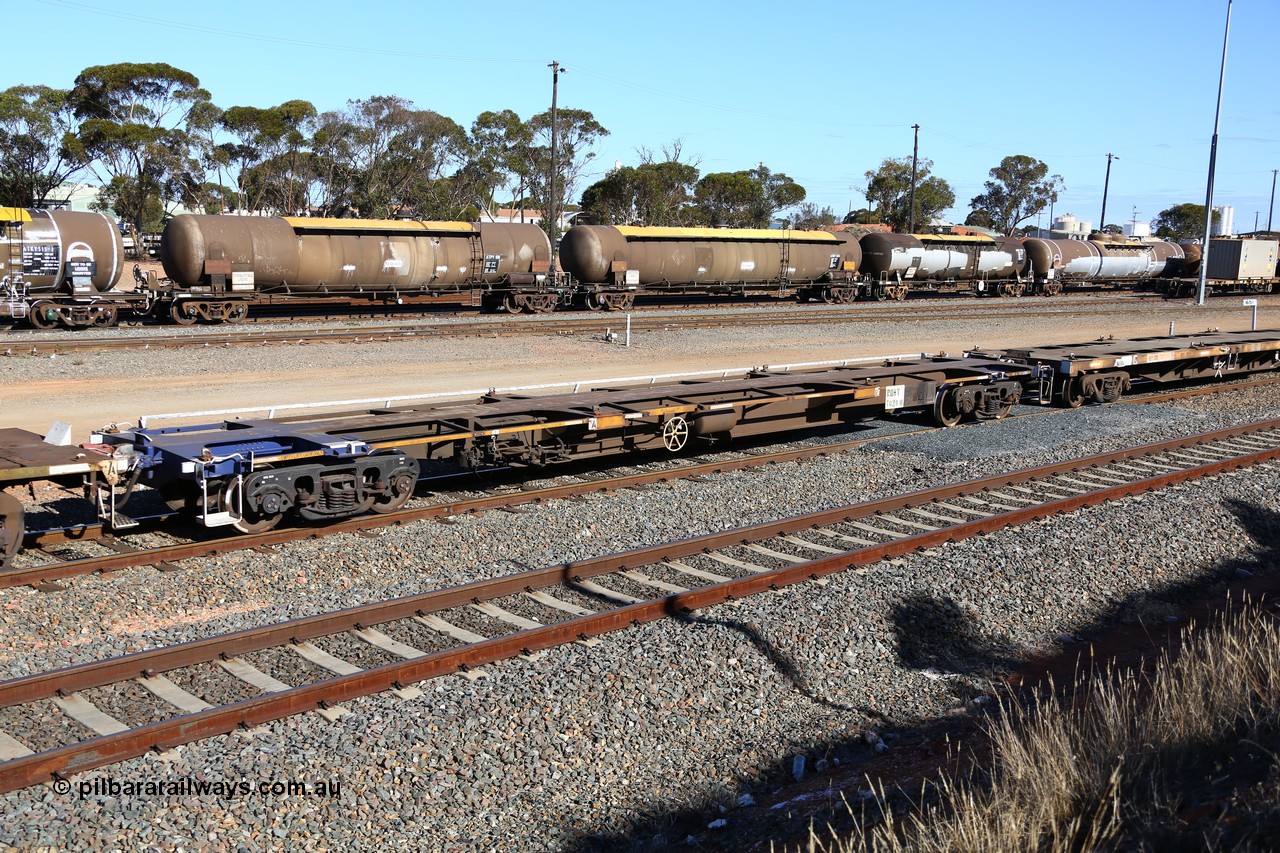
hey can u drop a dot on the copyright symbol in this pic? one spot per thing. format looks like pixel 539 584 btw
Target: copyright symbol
pixel 61 786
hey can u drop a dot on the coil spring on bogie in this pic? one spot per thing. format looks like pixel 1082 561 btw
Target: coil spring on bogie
pixel 337 494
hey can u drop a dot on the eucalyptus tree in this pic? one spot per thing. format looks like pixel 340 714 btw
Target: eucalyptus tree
pixel 36 123
pixel 576 132
pixel 134 130
pixel 1019 188
pixel 270 155
pixel 889 192
pixel 750 198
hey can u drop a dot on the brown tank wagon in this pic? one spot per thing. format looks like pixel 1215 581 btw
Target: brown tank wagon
pixel 614 264
pixel 380 258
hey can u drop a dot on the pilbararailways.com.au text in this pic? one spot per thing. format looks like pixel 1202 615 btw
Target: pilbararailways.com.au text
pixel 186 786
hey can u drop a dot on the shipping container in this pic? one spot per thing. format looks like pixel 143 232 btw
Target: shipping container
pixel 1239 260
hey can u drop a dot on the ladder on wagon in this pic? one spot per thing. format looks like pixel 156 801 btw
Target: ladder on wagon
pixel 477 269
pixel 14 269
pixel 784 266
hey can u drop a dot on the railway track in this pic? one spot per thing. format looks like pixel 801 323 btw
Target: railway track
pixel 22 342
pixel 122 555
pixel 55 723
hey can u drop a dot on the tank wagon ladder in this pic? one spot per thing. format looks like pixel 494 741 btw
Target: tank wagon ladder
pixel 478 286
pixel 15 285
pixel 784 262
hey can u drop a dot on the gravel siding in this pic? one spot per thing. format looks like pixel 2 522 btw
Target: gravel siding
pixel 583 746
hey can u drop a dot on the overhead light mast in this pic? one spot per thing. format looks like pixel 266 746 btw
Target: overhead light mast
pixel 1213 159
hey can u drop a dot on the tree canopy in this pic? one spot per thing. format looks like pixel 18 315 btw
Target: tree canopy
pixel 746 199
pixel 671 193
pixel 154 140
pixel 889 191
pixel 134 127
pixel 35 122
pixel 1182 222
pixel 1020 187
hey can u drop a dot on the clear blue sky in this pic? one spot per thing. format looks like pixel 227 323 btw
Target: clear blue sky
pixel 821 91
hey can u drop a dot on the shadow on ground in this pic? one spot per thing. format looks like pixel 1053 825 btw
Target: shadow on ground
pixel 958 644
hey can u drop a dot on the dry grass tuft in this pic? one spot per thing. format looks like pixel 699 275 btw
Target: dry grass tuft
pixel 1182 757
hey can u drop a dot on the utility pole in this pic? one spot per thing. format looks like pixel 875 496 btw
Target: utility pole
pixel 915 158
pixel 551 194
pixel 1105 186
pixel 1272 209
pixel 1213 159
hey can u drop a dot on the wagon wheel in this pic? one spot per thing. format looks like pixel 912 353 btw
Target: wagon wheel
pixel 40 318
pixel 1071 395
pixel 108 316
pixel 593 302
pixel 399 488
pixel 11 526
pixel 237 311
pixel 183 313
pixel 512 303
pixel 675 433
pixel 251 520
pixel 945 409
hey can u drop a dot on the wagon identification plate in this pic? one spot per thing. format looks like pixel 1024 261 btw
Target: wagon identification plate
pixel 491 263
pixel 895 397
pixel 41 259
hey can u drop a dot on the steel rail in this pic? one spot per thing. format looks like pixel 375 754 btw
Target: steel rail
pixel 591 324
pixel 49 572
pixel 107 749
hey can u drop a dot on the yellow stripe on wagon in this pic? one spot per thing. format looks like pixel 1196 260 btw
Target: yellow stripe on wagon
pixel 770 235
pixel 316 223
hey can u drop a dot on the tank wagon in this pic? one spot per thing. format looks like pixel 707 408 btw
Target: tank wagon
pixel 1057 264
pixel 613 264
pixel 506 264
pixel 59 266
pixel 895 264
